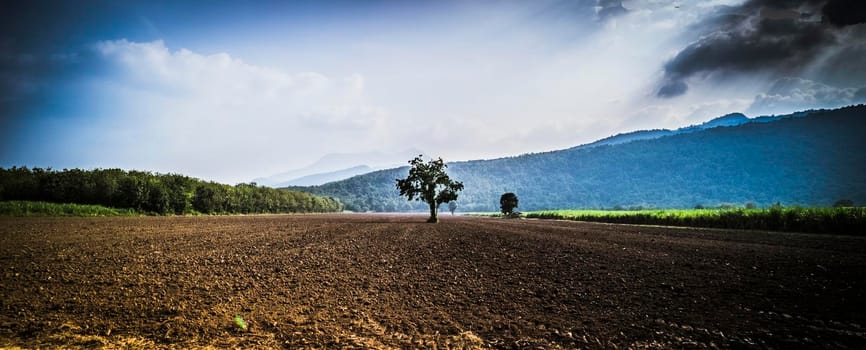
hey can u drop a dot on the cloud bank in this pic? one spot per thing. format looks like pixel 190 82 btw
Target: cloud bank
pixel 464 80
pixel 803 94
pixel 259 95
pixel 149 107
pixel 771 38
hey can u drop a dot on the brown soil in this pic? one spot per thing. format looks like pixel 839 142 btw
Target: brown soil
pixel 377 281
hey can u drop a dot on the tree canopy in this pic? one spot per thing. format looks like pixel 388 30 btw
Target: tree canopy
pixel 428 182
pixel 507 203
pixel 154 193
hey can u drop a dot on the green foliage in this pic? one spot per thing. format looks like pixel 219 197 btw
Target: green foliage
pixel 452 206
pixel 776 218
pixel 428 182
pixel 507 203
pixel 809 161
pixel 159 194
pixel 29 208
pixel 239 321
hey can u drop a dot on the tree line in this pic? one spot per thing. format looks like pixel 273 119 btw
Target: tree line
pixel 154 193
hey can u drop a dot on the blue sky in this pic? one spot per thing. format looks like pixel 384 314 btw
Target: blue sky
pixel 231 91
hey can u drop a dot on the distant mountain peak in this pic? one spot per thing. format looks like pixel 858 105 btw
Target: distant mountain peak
pixel 727 120
pixel 732 119
pixel 330 165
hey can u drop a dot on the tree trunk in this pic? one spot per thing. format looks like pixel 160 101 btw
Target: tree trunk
pixel 433 218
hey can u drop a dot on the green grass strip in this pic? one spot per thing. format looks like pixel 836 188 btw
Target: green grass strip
pixel 851 221
pixel 29 208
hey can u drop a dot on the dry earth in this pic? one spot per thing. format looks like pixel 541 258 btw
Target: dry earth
pixel 378 281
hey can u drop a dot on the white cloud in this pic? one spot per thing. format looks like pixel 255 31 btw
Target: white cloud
pixel 216 116
pixel 222 79
pixel 538 90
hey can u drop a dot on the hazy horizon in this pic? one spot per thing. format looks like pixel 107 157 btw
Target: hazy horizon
pixel 231 91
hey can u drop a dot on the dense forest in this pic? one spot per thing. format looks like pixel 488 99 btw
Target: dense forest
pixel 813 159
pixel 154 193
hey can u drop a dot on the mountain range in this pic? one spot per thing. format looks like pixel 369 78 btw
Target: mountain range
pixel 809 158
pixel 338 166
pixel 733 119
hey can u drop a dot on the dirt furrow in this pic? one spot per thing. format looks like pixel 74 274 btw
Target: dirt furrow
pixel 393 281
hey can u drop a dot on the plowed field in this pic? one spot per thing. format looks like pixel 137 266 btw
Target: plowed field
pixel 377 281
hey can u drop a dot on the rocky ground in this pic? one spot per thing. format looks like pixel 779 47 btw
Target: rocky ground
pixel 393 281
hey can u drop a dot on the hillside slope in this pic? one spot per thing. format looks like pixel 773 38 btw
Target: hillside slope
pixel 810 160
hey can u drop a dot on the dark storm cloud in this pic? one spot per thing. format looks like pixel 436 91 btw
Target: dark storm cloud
pixel 43 50
pixel 781 44
pixel 37 87
pixel 41 43
pixel 845 12
pixel 55 26
pixel 30 73
pixel 25 74
pixel 779 37
pixel 672 88
pixel 46 52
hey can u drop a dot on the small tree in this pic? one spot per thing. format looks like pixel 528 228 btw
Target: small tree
pixel 507 203
pixel 452 206
pixel 428 182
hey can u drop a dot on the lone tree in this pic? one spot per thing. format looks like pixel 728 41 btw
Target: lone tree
pixel 428 182
pixel 452 207
pixel 507 203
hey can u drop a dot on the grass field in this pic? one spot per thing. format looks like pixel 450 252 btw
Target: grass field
pixel 795 219
pixel 28 208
